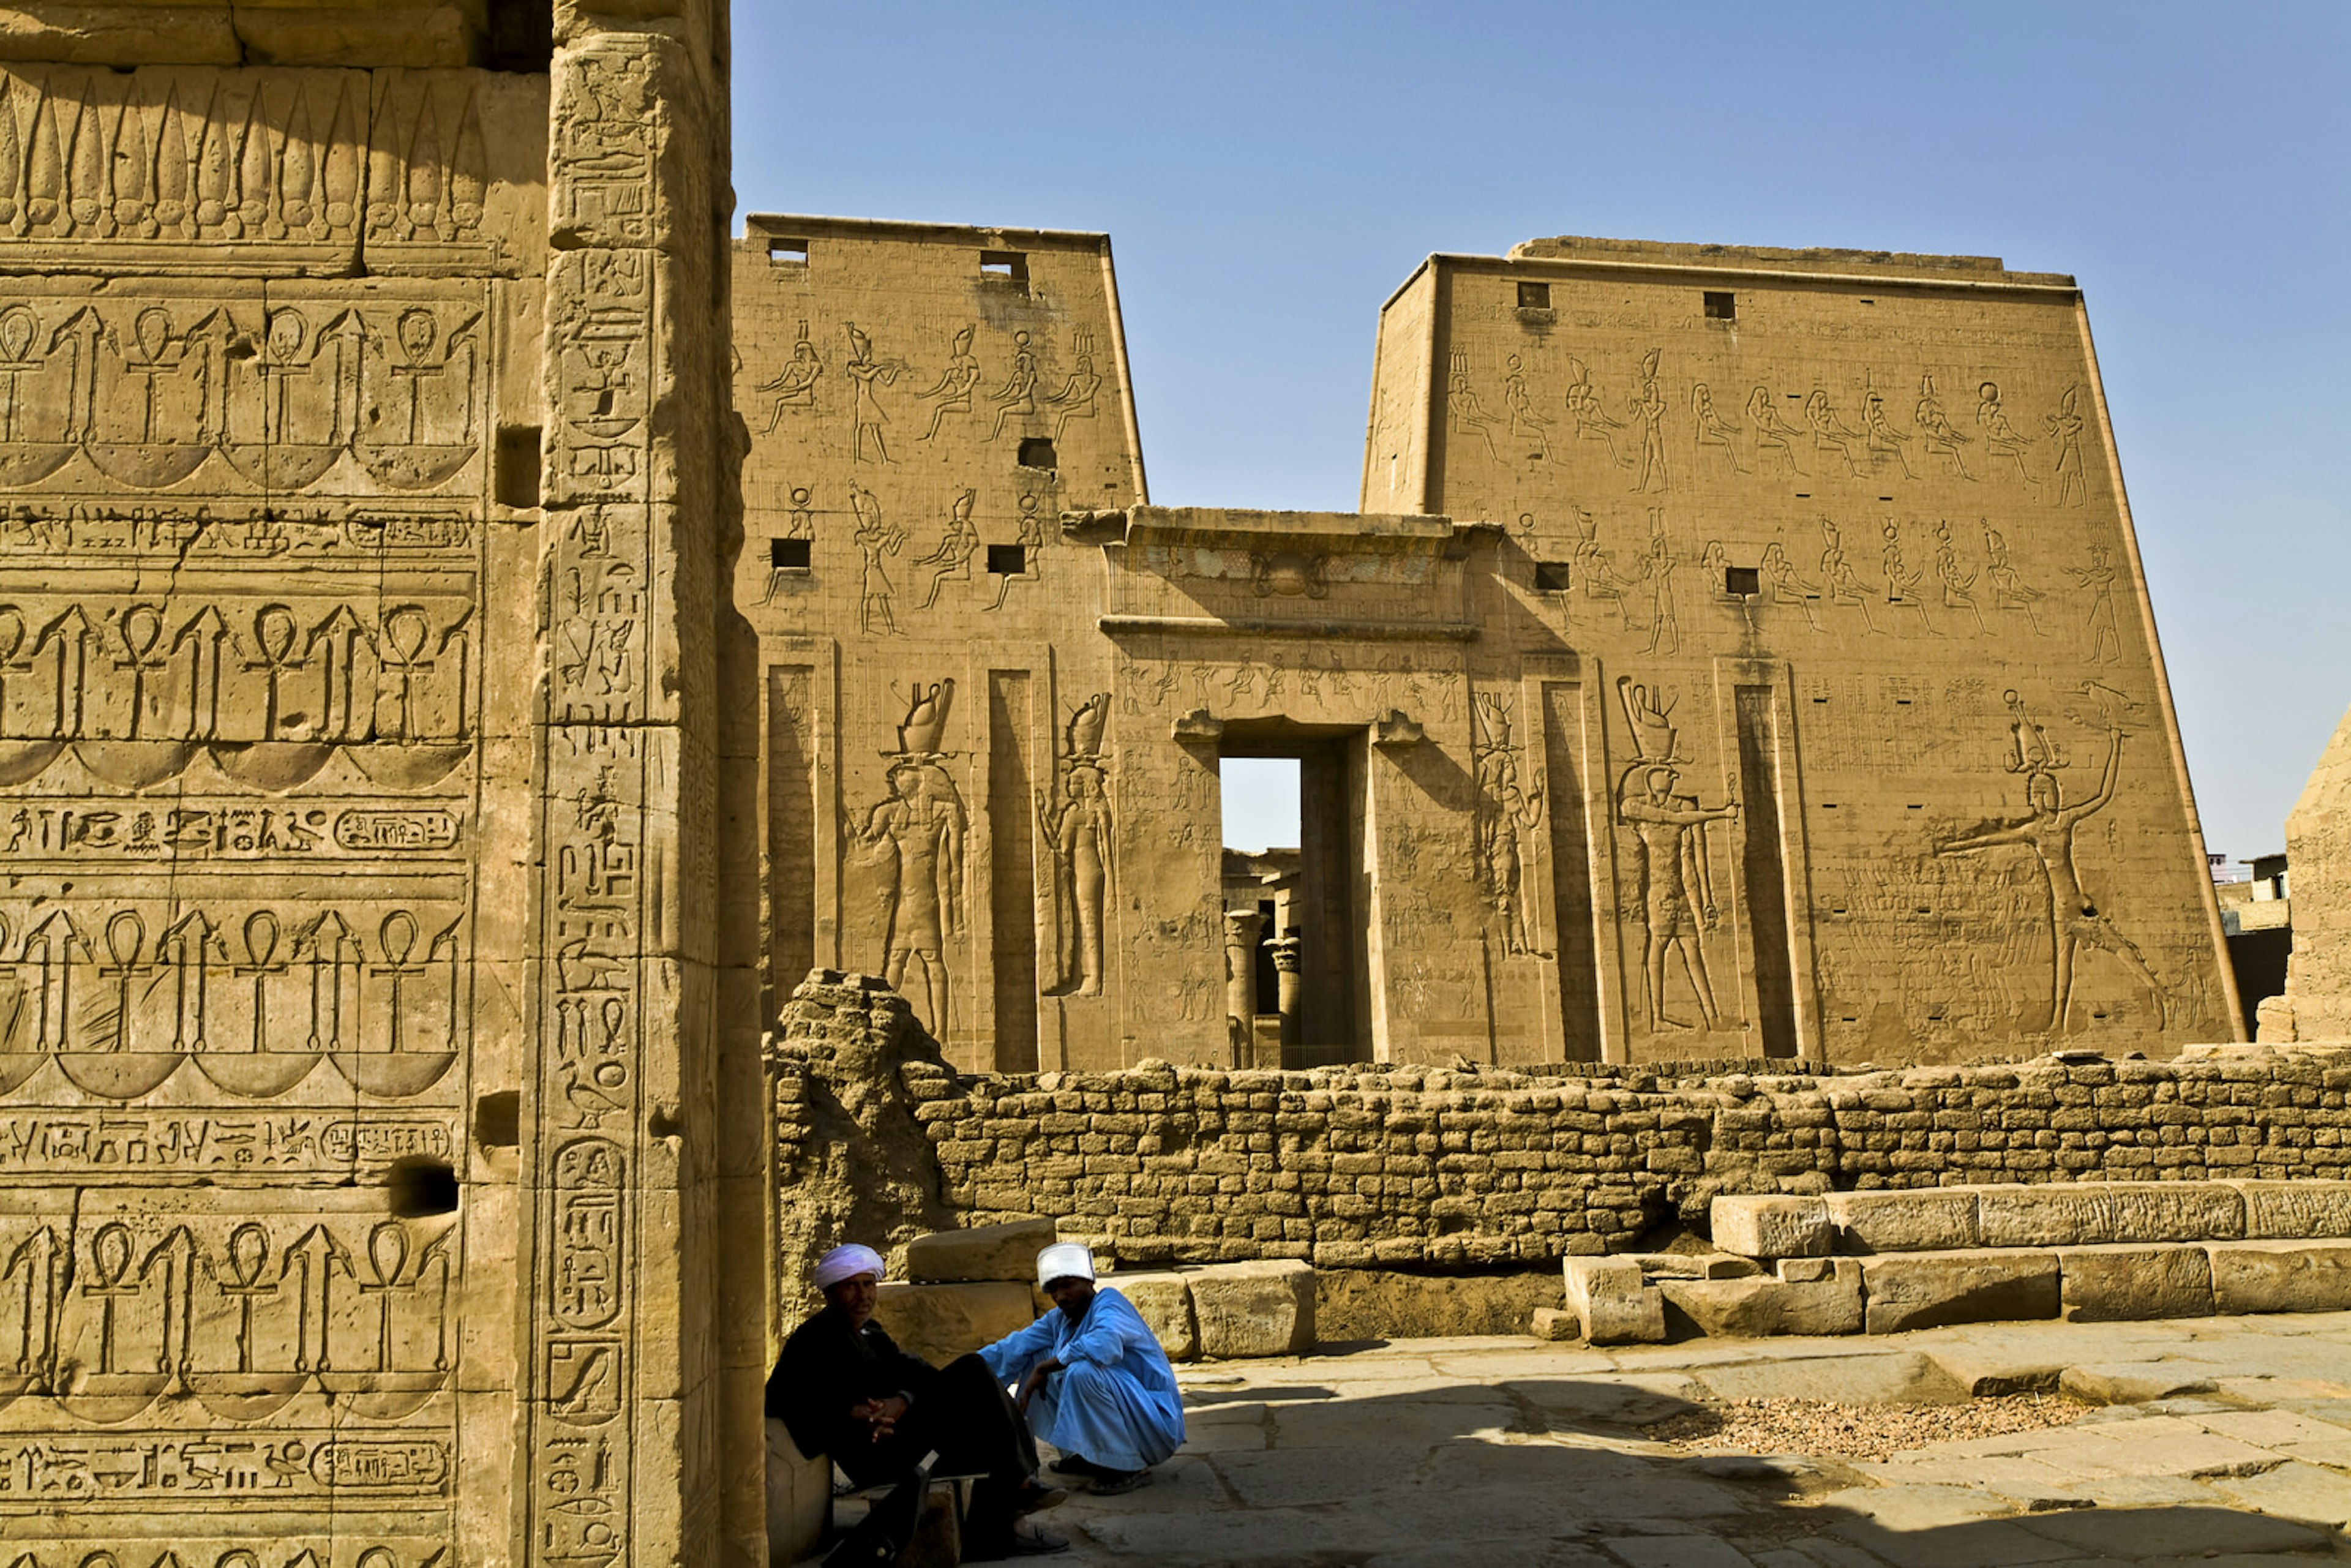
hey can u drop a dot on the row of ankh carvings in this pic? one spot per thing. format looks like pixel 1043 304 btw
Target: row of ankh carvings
pixel 147 393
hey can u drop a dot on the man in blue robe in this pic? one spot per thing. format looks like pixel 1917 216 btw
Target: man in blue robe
pixel 1092 1378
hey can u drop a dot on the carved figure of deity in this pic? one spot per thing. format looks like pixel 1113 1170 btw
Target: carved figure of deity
pixel 917 834
pixel 1016 398
pixel 1587 418
pixel 2001 440
pixel 957 545
pixel 1076 398
pixel 795 384
pixel 1935 428
pixel 1713 430
pixel 951 393
pixel 1773 434
pixel 1078 828
pixel 1462 402
pixel 1787 588
pixel 2009 589
pixel 1525 422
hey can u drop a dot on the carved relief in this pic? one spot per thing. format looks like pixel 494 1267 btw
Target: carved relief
pixel 2050 829
pixel 915 841
pixel 1079 827
pixel 1671 855
pixel 1506 808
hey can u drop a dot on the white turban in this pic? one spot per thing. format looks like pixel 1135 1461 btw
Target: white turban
pixel 1064 1261
pixel 847 1263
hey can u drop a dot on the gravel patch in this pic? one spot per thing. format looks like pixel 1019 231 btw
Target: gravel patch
pixel 1856 1431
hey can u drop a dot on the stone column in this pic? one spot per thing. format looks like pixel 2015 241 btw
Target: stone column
pixel 1243 927
pixel 622 1447
pixel 1289 957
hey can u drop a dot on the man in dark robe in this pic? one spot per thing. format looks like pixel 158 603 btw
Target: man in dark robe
pixel 847 1391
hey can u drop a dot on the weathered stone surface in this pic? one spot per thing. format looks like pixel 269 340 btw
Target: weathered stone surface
pixel 2280 1276
pixel 1771 1226
pixel 1556 1324
pixel 800 1493
pixel 1164 1301
pixel 1253 1309
pixel 1926 1219
pixel 1919 1291
pixel 2318 846
pixel 2072 1214
pixel 1750 1307
pixel 1379 1303
pixel 1692 1265
pixel 2115 1283
pixel 1002 1251
pixel 120 32
pixel 939 1322
pixel 2295 1209
pixel 1611 1302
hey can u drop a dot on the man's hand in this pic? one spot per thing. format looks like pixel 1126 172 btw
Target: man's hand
pixel 1034 1381
pixel 880 1418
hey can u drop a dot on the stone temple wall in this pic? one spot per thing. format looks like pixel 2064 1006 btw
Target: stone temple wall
pixel 363 489
pixel 1460 1168
pixel 2317 1000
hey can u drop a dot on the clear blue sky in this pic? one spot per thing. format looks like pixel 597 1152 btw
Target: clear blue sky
pixel 1268 172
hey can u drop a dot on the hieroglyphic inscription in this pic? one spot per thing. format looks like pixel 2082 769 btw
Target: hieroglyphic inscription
pixel 598 777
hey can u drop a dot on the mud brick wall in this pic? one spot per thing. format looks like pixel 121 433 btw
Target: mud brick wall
pixel 1453 1169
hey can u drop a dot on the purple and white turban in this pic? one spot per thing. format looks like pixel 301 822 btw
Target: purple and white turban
pixel 847 1263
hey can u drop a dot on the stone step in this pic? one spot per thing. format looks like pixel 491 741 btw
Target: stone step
pixel 2055 1214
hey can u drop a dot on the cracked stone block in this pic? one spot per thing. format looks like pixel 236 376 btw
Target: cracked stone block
pixel 1254 1308
pixel 1758 1306
pixel 2280 1276
pixel 1918 1291
pixel 1928 1220
pixel 1771 1226
pixel 2109 1284
pixel 1611 1300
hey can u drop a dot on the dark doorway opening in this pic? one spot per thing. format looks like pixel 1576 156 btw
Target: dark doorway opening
pixel 1320 908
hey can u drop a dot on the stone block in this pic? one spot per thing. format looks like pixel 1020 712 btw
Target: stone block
pixel 1556 1324
pixel 1916 1290
pixel 1254 1308
pixel 1756 1306
pixel 1613 1303
pixel 2295 1209
pixel 1930 1219
pixel 120 33
pixel 798 1488
pixel 1692 1265
pixel 1006 1251
pixel 2113 1284
pixel 1771 1227
pixel 2280 1276
pixel 2076 1214
pixel 1164 1301
pixel 939 1322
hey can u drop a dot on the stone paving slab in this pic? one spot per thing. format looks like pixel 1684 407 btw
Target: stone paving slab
pixel 1449 1454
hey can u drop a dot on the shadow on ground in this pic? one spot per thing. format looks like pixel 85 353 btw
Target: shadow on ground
pixel 1553 1471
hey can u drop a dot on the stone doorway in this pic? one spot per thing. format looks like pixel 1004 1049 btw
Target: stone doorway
pixel 1297 910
